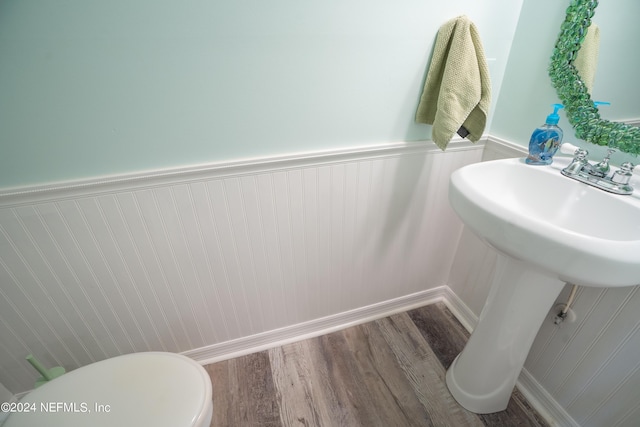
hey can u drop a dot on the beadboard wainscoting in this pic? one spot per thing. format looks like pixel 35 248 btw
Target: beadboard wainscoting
pixel 185 260
pixel 219 260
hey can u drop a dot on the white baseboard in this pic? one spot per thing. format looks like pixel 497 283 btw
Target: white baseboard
pixel 314 328
pixel 543 402
pixel 460 309
pixel 536 395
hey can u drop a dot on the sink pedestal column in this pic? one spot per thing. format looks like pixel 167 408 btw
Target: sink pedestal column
pixel 484 374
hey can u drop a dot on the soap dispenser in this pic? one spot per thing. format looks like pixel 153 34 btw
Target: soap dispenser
pixel 545 140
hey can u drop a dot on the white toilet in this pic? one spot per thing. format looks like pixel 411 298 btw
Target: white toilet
pixel 135 390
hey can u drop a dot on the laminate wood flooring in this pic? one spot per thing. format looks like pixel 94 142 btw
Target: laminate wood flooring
pixel 387 373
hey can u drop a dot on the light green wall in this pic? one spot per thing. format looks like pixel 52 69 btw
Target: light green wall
pixel 526 96
pixel 91 87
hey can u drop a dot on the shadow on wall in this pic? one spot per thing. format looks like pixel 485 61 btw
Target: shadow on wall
pixel 406 180
pixel 401 223
pixel 414 131
pixel 407 175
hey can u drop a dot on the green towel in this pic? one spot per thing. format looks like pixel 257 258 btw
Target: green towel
pixel 457 91
pixel 586 61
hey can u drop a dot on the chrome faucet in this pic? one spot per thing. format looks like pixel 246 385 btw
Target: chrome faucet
pixel 578 163
pixel 596 175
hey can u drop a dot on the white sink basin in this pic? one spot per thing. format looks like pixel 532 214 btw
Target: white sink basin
pixel 548 230
pixel 579 233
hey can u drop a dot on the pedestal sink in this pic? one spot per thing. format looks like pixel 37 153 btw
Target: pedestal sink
pixel 549 230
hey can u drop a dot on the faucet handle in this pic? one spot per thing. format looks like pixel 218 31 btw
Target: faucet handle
pixel 627 167
pixel 602 168
pixel 606 159
pixel 623 175
pixel 567 148
pixel 580 154
pixel 578 163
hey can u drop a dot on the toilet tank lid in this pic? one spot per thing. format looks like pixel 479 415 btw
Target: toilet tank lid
pixel 152 388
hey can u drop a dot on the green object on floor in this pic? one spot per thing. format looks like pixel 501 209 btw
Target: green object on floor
pixel 47 374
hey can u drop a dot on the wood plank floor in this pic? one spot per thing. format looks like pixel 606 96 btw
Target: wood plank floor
pixel 389 372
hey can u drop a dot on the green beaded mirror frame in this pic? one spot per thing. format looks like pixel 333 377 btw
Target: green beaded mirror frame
pixel 582 114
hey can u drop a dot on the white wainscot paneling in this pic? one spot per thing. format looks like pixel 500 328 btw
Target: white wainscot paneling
pixel 185 260
pixel 591 367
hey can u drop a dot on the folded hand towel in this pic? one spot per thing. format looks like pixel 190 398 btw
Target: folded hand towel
pixel 457 91
pixel 586 61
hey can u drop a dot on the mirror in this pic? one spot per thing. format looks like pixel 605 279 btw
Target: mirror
pixel 580 110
